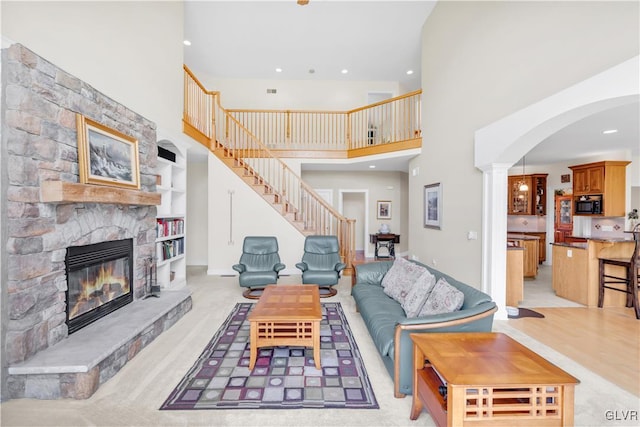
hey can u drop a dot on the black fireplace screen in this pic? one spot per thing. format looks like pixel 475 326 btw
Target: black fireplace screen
pixel 99 280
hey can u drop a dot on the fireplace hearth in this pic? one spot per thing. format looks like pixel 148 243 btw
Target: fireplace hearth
pixel 99 281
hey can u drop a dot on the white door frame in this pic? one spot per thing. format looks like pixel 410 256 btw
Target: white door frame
pixel 341 193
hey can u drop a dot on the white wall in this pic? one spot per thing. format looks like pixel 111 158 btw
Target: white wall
pixel 331 95
pixel 130 51
pixel 233 217
pixel 482 61
pixel 197 209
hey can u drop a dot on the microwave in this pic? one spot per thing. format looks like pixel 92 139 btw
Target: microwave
pixel 588 205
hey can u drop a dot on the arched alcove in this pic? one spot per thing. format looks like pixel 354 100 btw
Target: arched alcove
pixel 501 144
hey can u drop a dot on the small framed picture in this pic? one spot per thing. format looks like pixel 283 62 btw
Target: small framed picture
pixel 106 156
pixel 565 178
pixel 384 209
pixel 433 206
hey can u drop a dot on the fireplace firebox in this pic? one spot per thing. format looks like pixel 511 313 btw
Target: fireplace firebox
pixel 99 281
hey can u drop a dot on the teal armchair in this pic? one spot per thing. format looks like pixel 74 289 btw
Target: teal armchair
pixel 259 264
pixel 321 263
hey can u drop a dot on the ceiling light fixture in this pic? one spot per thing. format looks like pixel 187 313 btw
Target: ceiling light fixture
pixel 609 131
pixel 278 70
pixel 409 72
pixel 523 184
pixel 372 166
pixel 344 71
pixel 186 43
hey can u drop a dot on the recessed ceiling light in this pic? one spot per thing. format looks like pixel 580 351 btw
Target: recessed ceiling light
pixel 409 72
pixel 278 70
pixel 187 43
pixel 372 166
pixel 608 131
pixel 344 71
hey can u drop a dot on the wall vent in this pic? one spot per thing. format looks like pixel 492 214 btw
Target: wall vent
pixel 272 91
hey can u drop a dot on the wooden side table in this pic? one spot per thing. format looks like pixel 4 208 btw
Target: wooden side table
pixel 487 379
pixel 386 240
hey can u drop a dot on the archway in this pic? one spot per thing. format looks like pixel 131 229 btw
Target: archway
pixel 499 145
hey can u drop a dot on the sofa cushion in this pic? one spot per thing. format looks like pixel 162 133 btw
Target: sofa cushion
pixel 418 294
pixel 444 298
pixel 400 277
pixel 380 314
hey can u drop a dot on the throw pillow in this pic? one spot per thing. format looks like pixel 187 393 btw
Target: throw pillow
pixel 418 294
pixel 400 277
pixel 444 298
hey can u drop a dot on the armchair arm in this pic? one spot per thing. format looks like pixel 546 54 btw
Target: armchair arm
pixel 279 266
pixel 240 268
pixel 340 266
pixel 302 266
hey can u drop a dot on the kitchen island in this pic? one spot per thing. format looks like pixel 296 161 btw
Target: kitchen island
pixel 531 251
pixel 575 273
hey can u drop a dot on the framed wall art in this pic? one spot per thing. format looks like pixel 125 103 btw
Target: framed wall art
pixel 384 209
pixel 433 206
pixel 106 156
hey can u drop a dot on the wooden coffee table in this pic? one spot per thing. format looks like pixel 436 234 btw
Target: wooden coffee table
pixel 487 379
pixel 286 315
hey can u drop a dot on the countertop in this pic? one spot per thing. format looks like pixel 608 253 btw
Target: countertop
pixel 520 236
pixel 576 245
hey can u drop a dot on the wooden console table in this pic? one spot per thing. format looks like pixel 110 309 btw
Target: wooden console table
pixel 487 379
pixel 385 240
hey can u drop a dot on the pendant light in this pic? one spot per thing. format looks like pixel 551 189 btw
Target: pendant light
pixel 523 185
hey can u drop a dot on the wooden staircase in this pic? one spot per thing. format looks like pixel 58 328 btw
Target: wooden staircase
pixel 253 179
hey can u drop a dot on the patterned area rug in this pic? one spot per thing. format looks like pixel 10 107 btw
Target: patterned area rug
pixel 283 377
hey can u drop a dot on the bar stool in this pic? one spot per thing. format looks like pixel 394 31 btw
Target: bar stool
pixel 630 280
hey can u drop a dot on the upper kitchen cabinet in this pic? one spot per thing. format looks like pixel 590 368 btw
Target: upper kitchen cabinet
pixel 605 181
pixel 531 201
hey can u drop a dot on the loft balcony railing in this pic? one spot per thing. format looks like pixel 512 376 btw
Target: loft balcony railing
pixel 395 120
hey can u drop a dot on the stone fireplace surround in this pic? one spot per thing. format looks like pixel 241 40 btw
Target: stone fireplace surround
pixel 40 102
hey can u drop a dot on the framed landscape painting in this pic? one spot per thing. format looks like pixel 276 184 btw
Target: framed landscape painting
pixel 433 206
pixel 106 156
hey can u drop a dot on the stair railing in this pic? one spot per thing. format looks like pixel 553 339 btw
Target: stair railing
pixel 202 115
pixel 297 199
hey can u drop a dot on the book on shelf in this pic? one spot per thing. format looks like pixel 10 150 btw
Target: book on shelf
pixel 170 248
pixel 169 227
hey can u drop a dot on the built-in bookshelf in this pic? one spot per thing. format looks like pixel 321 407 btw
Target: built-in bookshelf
pixel 171 183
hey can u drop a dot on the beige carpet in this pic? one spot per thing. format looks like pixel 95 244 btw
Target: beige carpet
pixel 133 396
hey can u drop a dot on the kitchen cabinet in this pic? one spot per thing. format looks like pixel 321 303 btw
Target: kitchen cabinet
pixel 563 218
pixel 530 202
pixel 607 179
pixel 515 275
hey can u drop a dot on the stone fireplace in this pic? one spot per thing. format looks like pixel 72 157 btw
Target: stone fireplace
pixel 40 147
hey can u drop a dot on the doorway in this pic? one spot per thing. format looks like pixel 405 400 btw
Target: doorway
pixel 354 204
pixel 501 144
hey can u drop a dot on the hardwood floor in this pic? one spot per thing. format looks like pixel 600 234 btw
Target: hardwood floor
pixel 605 341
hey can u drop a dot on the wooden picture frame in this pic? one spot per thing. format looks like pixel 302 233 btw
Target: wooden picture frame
pixel 433 206
pixel 106 156
pixel 384 209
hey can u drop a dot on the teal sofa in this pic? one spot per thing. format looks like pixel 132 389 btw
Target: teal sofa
pixel 389 326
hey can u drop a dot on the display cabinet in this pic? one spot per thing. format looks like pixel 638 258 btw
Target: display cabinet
pixel 530 202
pixel 606 179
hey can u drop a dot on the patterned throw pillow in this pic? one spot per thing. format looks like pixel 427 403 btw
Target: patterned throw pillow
pixel 444 298
pixel 418 294
pixel 400 277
